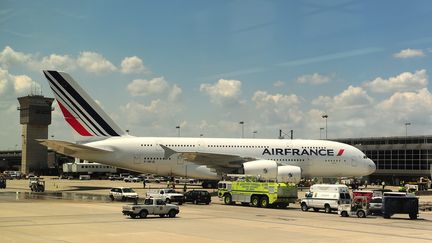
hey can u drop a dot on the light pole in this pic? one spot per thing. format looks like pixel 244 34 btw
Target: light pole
pixel 406 129
pixel 178 127
pixel 325 116
pixel 242 126
pixel 254 133
pixel 321 129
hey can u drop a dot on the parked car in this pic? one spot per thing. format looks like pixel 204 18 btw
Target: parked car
pixel 128 178
pixel 123 193
pixel 375 206
pixel 197 196
pixel 114 177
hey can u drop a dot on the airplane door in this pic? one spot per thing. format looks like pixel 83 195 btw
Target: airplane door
pixel 138 156
pixel 353 162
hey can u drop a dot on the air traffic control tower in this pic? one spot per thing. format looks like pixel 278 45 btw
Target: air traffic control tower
pixel 35 116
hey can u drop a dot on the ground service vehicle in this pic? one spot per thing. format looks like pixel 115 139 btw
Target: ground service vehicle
pixel 400 205
pixel 37 184
pixel 151 206
pixel 257 193
pixel 166 194
pixel 375 206
pixel 123 193
pixel 197 196
pixel 380 192
pixel 325 196
pixel 358 207
pixel 361 193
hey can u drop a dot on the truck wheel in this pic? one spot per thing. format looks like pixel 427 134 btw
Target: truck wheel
pixel 111 197
pixel 227 199
pixel 264 202
pixel 413 215
pixel 304 207
pixel 344 214
pixel 172 213
pixel 123 198
pixel 361 214
pixel 143 214
pixel 327 208
pixel 255 201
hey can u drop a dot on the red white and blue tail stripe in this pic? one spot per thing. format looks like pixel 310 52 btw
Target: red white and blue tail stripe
pixel 79 109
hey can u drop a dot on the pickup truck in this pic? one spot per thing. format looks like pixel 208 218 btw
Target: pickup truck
pixel 166 194
pixel 151 206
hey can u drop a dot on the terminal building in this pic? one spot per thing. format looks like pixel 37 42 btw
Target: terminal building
pixel 405 158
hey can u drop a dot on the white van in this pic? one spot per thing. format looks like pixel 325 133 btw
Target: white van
pixel 325 196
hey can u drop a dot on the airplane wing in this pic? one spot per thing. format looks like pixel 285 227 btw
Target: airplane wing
pixel 71 149
pixel 211 160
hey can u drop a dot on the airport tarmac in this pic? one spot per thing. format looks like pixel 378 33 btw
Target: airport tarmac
pixel 59 220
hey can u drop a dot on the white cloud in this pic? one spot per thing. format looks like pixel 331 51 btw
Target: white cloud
pixel 133 65
pixel 224 91
pixel 87 60
pixel 315 78
pixel 145 87
pixel 55 61
pixel 409 53
pixel 352 97
pixel 175 92
pixel 9 56
pixel 278 84
pixel 94 62
pixel 403 82
pixel 283 107
pixel 21 83
pixel 408 103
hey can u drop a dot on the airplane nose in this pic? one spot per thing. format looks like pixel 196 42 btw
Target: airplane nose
pixel 371 167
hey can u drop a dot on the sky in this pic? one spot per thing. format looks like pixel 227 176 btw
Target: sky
pixel 204 66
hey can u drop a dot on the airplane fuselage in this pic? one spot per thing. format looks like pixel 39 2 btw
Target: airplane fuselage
pixel 316 158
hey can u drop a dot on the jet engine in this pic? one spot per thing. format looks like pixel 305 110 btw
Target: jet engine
pixel 269 170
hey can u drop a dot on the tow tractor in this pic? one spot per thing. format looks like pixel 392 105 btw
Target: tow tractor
pixel 37 184
pixel 358 207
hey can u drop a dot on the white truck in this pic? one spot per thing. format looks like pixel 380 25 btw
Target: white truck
pixel 166 194
pixel 325 196
pixel 151 206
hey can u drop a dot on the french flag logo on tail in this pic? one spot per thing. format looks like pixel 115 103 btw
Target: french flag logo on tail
pixel 79 109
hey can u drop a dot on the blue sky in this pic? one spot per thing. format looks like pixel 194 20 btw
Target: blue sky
pixel 206 65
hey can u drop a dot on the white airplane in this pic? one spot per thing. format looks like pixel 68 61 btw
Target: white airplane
pixel 202 158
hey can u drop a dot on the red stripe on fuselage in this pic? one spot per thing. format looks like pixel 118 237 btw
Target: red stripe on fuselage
pixel 341 151
pixel 73 121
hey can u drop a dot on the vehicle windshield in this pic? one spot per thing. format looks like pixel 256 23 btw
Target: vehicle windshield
pixel 170 191
pixel 128 190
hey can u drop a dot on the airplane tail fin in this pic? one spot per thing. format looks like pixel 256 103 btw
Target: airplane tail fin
pixel 81 112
